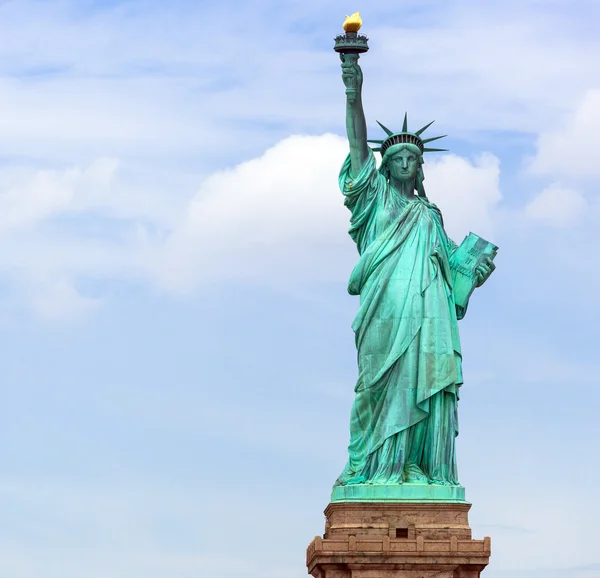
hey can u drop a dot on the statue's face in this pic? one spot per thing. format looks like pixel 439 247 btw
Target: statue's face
pixel 403 164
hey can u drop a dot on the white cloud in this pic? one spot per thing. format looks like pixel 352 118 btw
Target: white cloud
pixel 28 196
pixel 277 219
pixel 126 81
pixel 571 149
pixel 465 71
pixel 62 224
pixel 280 219
pixel 54 299
pixel 557 206
pixel 272 218
pixel 467 192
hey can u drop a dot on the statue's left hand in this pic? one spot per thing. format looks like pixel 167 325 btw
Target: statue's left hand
pixel 484 270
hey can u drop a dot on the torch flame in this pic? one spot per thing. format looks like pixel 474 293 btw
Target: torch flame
pixel 353 23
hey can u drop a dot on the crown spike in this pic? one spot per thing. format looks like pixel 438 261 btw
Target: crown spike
pixel 421 130
pixel 387 130
pixel 425 140
pixel 376 149
pixel 405 123
pixel 428 150
pixel 375 141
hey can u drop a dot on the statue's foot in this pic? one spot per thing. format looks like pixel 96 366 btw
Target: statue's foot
pixel 436 482
pixel 413 474
pixel 355 480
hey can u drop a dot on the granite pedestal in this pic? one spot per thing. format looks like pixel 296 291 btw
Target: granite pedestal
pixel 397 540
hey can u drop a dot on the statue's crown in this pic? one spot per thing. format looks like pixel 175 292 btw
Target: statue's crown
pixel 406 137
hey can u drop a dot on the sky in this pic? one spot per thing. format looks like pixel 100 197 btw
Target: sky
pixel 178 359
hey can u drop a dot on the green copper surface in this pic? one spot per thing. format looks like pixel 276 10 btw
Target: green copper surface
pixel 398 493
pixel 403 422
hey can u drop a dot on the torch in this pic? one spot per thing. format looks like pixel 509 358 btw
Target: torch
pixel 350 44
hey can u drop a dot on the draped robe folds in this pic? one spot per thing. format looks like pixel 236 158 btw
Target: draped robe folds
pixel 404 417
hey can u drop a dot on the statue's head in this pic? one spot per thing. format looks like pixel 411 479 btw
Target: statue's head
pixel 402 155
pixel 402 162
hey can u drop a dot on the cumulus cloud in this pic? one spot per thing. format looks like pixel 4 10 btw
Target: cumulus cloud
pixel 467 192
pixel 278 219
pixel 273 216
pixel 571 150
pixel 557 206
pixel 281 217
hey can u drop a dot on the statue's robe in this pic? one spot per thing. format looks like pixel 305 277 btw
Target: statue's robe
pixel 404 418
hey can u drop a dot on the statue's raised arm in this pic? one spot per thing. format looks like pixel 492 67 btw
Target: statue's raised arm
pixel 356 126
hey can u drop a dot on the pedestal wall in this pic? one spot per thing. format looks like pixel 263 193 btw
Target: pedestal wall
pixel 397 540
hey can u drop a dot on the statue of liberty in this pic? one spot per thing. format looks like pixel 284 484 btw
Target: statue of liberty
pixel 403 421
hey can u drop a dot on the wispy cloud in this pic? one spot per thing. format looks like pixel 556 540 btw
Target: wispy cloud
pixel 557 206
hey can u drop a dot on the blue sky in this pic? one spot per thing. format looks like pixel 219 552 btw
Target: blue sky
pixel 178 359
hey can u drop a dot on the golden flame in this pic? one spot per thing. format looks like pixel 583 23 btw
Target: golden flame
pixel 353 23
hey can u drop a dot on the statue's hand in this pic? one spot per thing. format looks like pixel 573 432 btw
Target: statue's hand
pixel 351 72
pixel 484 270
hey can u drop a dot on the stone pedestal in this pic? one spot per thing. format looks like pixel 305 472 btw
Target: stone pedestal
pixel 397 540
